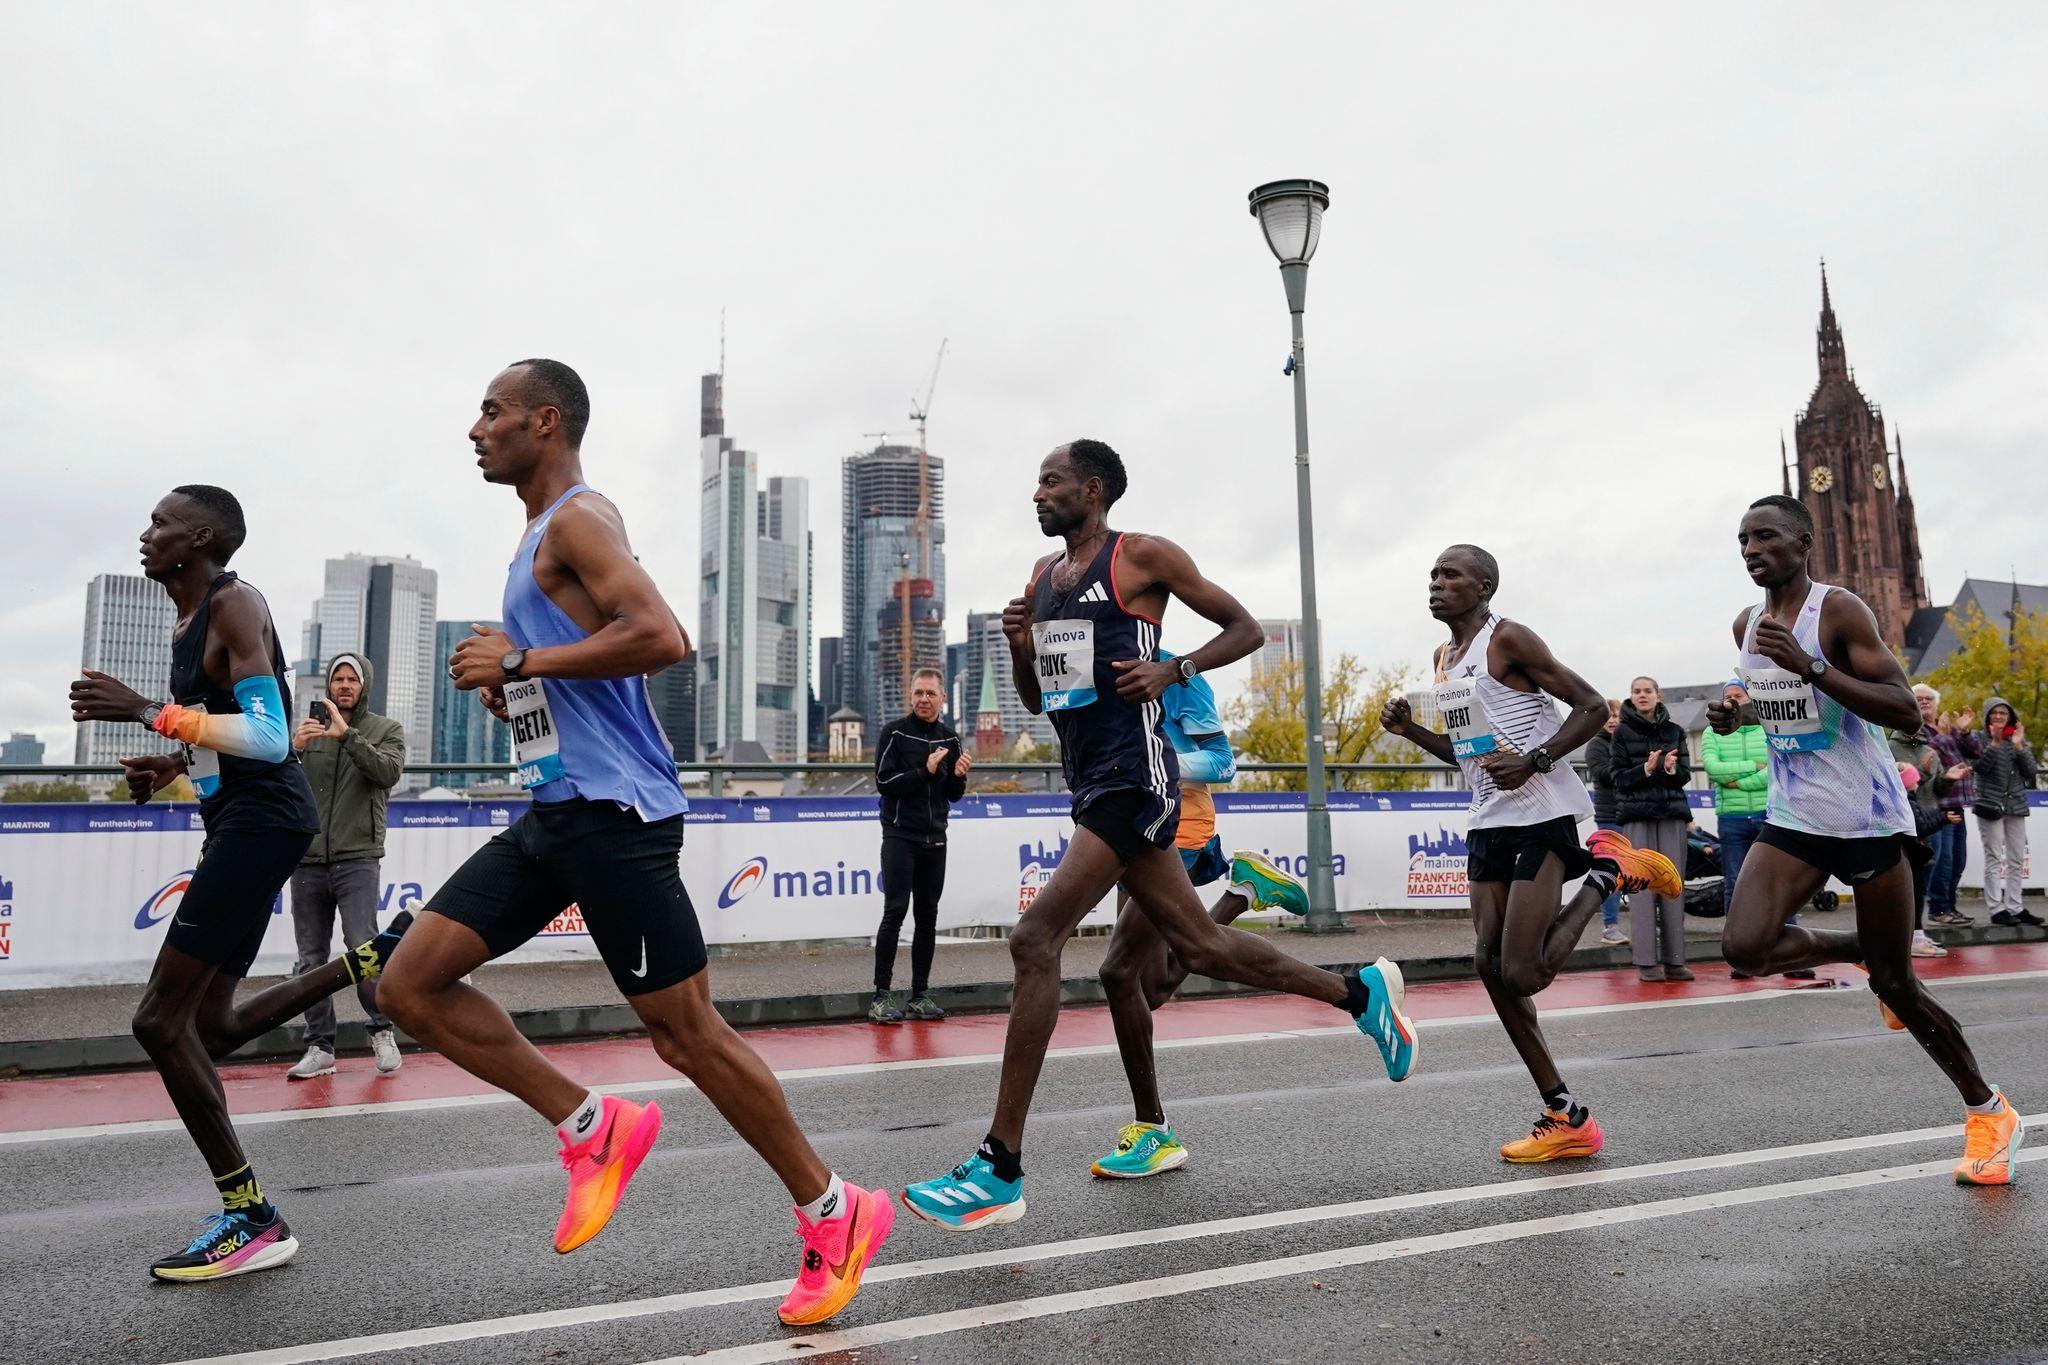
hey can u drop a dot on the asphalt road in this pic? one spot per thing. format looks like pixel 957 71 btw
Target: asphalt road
pixel 1326 1214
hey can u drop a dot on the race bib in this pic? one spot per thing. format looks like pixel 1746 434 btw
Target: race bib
pixel 1787 709
pixel 1457 701
pixel 202 765
pixel 536 747
pixel 1066 663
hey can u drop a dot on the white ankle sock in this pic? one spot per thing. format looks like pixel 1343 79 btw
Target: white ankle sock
pixel 833 1203
pixel 578 1127
pixel 1990 1106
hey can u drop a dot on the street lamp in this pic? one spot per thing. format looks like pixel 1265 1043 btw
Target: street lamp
pixel 1290 213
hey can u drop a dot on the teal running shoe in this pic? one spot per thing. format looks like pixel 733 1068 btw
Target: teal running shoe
pixel 1383 1021
pixel 1142 1149
pixel 967 1197
pixel 1272 889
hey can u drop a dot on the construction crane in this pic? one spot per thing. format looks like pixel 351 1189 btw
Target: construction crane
pixel 920 410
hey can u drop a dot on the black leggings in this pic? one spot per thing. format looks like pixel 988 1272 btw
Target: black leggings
pixel 913 874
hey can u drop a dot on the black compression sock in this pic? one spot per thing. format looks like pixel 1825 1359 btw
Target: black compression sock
pixel 365 961
pixel 1560 1101
pixel 239 1193
pixel 1357 1000
pixel 1606 875
pixel 1008 1165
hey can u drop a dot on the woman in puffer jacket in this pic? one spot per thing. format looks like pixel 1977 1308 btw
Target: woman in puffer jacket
pixel 2005 774
pixel 1648 765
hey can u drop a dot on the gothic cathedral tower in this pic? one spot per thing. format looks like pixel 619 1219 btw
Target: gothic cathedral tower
pixel 1865 535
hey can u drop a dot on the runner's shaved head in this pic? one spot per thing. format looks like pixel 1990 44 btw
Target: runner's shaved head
pixel 219 509
pixel 1482 563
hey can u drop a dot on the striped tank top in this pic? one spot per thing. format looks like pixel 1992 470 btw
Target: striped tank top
pixel 1483 715
pixel 1832 773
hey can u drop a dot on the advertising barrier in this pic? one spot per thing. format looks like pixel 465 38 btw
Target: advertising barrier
pixel 86 889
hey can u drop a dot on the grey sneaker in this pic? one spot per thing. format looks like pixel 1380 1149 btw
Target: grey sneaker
pixel 885 1010
pixel 318 1061
pixel 1612 935
pixel 385 1043
pixel 924 1007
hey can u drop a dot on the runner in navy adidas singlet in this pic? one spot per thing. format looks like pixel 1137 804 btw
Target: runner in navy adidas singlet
pixel 584 624
pixel 229 708
pixel 1084 642
pixel 1822 683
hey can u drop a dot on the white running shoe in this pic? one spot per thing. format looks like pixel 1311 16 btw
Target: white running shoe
pixel 385 1043
pixel 1924 946
pixel 1612 935
pixel 318 1061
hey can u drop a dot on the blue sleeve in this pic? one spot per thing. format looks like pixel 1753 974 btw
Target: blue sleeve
pixel 1210 761
pixel 263 708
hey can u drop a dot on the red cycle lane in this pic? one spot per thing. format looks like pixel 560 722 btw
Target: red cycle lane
pixel 43 1103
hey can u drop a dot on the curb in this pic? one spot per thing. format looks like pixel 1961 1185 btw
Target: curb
pixel 564 1023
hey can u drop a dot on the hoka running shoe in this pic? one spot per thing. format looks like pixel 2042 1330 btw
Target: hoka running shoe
pixel 1555 1137
pixel 1383 1021
pixel 1642 869
pixel 231 1244
pixel 969 1196
pixel 836 1253
pixel 1272 889
pixel 1990 1142
pixel 601 1166
pixel 1142 1149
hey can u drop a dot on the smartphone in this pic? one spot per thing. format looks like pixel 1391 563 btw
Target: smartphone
pixel 319 710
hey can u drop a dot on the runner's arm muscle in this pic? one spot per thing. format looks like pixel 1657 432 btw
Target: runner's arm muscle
pixel 1159 563
pixel 241 627
pixel 640 633
pixel 1871 683
pixel 1529 656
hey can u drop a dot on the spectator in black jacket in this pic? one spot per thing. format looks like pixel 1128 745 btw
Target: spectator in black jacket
pixel 1648 765
pixel 920 770
pixel 1604 816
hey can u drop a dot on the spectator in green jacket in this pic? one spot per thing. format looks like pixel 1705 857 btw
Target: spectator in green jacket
pixel 353 758
pixel 1738 772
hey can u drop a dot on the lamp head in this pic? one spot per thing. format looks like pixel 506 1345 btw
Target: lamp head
pixel 1290 212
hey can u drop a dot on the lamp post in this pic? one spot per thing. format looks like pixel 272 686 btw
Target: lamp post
pixel 1290 212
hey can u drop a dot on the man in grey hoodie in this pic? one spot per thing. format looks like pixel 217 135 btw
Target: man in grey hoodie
pixel 353 757
pixel 2005 774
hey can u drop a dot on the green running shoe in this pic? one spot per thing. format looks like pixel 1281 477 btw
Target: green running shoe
pixel 884 1009
pixel 1142 1149
pixel 1272 889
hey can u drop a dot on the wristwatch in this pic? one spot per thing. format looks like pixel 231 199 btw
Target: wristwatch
pixel 1187 668
pixel 149 713
pixel 1815 669
pixel 512 663
pixel 1540 760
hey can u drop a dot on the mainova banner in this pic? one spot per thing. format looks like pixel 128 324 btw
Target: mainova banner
pixel 86 889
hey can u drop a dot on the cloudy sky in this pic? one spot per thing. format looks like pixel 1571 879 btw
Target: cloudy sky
pixel 1564 303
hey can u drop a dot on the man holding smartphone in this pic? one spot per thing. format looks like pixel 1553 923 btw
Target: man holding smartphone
pixel 353 757
pixel 920 770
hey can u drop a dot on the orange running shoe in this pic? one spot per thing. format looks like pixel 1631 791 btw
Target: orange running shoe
pixel 1642 869
pixel 1990 1142
pixel 836 1252
pixel 1556 1138
pixel 601 1166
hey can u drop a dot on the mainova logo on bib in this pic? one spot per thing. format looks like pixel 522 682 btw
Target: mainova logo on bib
pixel 1066 663
pixel 1457 701
pixel 1787 709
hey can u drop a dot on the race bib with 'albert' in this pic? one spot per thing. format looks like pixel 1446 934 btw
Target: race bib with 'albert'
pixel 536 748
pixel 202 765
pixel 1066 663
pixel 1787 709
pixel 1457 701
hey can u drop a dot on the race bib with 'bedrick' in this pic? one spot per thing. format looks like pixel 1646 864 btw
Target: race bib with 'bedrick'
pixel 1065 652
pixel 1787 709
pixel 1465 724
pixel 202 765
pixel 536 747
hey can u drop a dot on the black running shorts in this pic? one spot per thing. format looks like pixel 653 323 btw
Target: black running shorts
pixel 226 910
pixel 1129 820
pixel 620 871
pixel 1854 861
pixel 1515 853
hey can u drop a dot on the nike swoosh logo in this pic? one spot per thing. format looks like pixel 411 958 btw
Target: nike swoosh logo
pixel 641 970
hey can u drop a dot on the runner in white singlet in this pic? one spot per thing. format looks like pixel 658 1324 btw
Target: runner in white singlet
pixel 1821 681
pixel 1497 687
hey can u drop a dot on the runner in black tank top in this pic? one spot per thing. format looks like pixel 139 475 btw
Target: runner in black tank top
pixel 229 710
pixel 1084 643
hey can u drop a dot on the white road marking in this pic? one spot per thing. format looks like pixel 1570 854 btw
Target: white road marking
pixel 668 1083
pixel 1223 1277
pixel 549 1320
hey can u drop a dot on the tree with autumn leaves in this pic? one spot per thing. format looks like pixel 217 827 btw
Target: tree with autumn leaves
pixel 2008 659
pixel 1266 726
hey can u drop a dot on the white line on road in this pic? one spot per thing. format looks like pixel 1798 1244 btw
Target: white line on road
pixel 1167 1286
pixel 669 1083
pixel 1044 1251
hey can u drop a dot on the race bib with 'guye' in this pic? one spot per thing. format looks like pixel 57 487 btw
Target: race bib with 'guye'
pixel 1465 724
pixel 536 747
pixel 1787 708
pixel 1065 653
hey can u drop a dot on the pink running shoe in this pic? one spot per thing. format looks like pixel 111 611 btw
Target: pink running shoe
pixel 601 1166
pixel 836 1253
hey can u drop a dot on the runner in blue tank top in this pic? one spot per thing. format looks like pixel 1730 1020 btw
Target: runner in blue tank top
pixel 1084 642
pixel 584 625
pixel 1821 681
